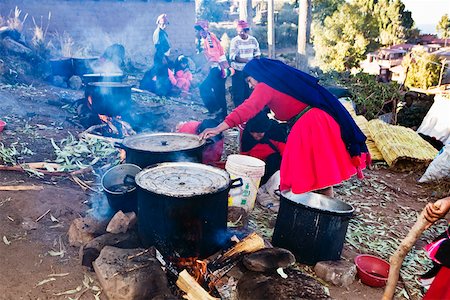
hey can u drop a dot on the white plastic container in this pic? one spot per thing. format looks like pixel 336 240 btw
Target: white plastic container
pixel 250 169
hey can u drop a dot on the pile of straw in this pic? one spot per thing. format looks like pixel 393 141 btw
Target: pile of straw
pixel 401 147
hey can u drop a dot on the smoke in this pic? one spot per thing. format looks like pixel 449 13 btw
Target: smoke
pixel 100 209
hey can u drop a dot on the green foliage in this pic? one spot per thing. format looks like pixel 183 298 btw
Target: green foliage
pixel 443 27
pixel 212 10
pixel 372 98
pixel 344 39
pixel 393 21
pixel 321 9
pixel 423 69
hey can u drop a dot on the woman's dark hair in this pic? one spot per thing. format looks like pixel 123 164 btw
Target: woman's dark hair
pixel 259 123
pixel 179 61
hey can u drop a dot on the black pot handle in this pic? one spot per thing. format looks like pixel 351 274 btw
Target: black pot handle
pixel 241 183
pixel 277 192
pixel 129 179
pixel 119 145
pixel 209 142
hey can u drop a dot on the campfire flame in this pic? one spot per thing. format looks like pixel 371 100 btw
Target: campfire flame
pixel 196 267
pixel 116 126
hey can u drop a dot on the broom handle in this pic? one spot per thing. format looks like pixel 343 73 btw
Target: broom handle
pixel 399 254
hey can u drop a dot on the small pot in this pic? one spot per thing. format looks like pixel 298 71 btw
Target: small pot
pixel 103 77
pixel 151 148
pixel 62 67
pixel 108 98
pixel 120 187
pixel 83 65
pixel 182 208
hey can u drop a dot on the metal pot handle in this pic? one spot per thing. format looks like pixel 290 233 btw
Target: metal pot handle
pixel 241 183
pixel 277 192
pixel 209 142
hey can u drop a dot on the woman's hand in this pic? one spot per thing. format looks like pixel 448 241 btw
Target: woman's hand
pixel 437 210
pixel 210 132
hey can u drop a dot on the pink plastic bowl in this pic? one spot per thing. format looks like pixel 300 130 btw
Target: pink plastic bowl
pixel 2 125
pixel 373 271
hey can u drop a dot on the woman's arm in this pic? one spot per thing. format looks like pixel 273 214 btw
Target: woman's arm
pixel 209 132
pixel 437 210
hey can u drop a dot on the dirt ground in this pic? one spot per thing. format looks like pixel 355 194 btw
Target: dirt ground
pixel 36 260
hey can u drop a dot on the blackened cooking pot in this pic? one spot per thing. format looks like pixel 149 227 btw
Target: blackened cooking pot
pixel 83 65
pixel 146 149
pixel 119 186
pixel 182 208
pixel 62 67
pixel 312 226
pixel 103 77
pixel 108 98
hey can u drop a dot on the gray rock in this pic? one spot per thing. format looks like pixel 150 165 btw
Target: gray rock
pixel 59 81
pixel 138 277
pixel 121 222
pixel 16 48
pixel 83 230
pixel 268 259
pixel 75 82
pixel 340 273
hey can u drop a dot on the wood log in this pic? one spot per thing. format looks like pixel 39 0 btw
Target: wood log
pixel 192 288
pixel 36 167
pixel 401 252
pixel 21 188
pixel 251 243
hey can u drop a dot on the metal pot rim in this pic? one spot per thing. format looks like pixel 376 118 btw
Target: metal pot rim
pixel 113 169
pixel 305 201
pixel 127 141
pixel 183 194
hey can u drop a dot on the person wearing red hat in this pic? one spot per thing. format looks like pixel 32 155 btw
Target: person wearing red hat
pixel 212 89
pixel 243 48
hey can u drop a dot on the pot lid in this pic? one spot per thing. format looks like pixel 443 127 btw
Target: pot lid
pixel 163 142
pixel 103 75
pixel 104 84
pixel 183 179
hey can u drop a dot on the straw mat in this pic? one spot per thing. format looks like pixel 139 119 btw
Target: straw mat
pixel 402 148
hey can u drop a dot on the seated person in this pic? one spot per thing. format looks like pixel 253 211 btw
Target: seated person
pixel 212 152
pixel 183 75
pixel 265 139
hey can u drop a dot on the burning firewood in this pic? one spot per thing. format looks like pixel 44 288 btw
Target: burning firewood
pixel 251 243
pixel 192 288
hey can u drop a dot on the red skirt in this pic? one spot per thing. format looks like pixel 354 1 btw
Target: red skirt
pixel 440 287
pixel 315 156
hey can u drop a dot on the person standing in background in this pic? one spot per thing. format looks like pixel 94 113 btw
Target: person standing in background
pixel 161 42
pixel 212 89
pixel 243 48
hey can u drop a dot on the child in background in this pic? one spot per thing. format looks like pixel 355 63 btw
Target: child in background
pixel 213 152
pixel 265 139
pixel 183 75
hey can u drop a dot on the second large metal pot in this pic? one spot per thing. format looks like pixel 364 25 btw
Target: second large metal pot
pixel 108 98
pixel 146 149
pixel 182 208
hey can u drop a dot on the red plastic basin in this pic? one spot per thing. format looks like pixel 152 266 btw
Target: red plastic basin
pixel 373 271
pixel 2 125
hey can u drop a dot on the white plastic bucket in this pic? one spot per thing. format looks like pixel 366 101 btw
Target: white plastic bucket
pixel 250 170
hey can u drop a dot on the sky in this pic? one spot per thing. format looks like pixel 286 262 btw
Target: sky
pixel 427 13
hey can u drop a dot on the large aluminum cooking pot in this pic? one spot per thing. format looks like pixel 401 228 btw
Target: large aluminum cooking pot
pixel 146 149
pixel 83 65
pixel 182 208
pixel 109 98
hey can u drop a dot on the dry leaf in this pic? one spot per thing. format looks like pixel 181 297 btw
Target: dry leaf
pixel 69 292
pixel 58 275
pixel 5 240
pixel 56 253
pixel 45 281
pixel 55 220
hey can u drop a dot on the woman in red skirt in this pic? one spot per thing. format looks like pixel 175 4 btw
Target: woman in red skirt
pixel 324 146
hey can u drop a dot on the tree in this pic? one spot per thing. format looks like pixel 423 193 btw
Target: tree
pixel 321 9
pixel 443 28
pixel 210 10
pixel 345 37
pixel 422 69
pixel 393 21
